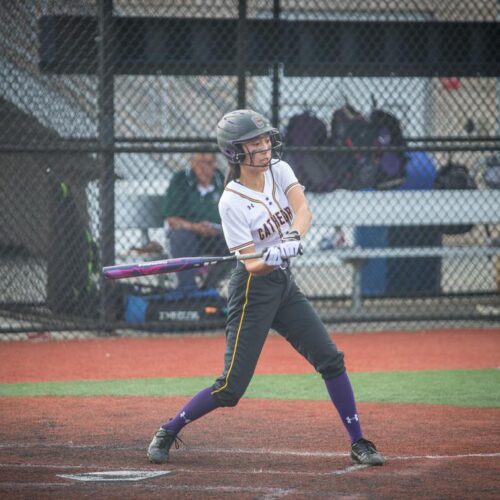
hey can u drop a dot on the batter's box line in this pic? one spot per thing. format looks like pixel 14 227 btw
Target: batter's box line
pixel 66 445
pixel 352 468
pixel 337 472
pixel 446 457
pixel 320 454
pixel 211 472
pixel 263 451
pixel 248 451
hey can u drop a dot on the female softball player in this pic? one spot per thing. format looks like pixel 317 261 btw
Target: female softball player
pixel 263 207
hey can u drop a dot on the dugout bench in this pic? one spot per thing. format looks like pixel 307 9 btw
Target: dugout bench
pixel 354 208
pixel 395 208
pixel 135 216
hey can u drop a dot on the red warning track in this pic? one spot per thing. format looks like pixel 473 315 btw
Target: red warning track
pixel 203 355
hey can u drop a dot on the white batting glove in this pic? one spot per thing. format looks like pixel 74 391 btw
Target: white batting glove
pixel 272 256
pixel 290 245
pixel 290 249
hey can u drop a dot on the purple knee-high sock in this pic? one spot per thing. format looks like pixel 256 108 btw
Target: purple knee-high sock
pixel 199 405
pixel 341 394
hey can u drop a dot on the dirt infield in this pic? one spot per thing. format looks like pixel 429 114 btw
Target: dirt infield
pixel 262 449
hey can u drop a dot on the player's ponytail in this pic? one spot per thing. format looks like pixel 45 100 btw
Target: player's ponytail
pixel 233 173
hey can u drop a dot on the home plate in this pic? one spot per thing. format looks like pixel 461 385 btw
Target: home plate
pixel 117 475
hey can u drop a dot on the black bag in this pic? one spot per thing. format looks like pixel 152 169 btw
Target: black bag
pixel 390 171
pixel 365 169
pixel 174 308
pixel 350 129
pixel 455 176
pixel 312 169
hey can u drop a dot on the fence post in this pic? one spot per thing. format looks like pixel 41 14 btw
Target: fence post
pixel 106 139
pixel 275 116
pixel 242 53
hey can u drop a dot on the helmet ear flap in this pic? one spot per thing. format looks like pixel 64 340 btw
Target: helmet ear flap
pixel 235 154
pixel 276 144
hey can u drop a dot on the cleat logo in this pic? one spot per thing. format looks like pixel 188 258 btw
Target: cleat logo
pixel 352 419
pixel 183 416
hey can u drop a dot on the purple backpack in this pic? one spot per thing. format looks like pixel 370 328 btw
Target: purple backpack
pixel 312 169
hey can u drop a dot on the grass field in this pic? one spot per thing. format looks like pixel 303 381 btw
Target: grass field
pixel 468 388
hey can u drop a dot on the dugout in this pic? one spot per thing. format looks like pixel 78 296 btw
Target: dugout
pixel 36 233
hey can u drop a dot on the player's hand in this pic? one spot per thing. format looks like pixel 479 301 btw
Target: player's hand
pixel 291 245
pixel 272 256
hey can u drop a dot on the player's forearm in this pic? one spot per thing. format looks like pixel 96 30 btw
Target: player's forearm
pixel 302 220
pixel 257 267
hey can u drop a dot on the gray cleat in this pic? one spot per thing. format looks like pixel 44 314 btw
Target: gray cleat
pixel 160 446
pixel 364 452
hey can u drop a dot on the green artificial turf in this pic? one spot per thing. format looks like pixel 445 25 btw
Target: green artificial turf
pixel 473 388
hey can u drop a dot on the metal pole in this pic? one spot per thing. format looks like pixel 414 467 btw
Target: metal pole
pixel 106 139
pixel 498 84
pixel 242 53
pixel 275 119
pixel 357 293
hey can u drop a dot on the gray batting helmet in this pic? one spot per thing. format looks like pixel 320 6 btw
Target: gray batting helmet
pixel 240 126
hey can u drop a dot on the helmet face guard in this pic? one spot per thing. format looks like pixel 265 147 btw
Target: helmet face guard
pixel 243 125
pixel 276 148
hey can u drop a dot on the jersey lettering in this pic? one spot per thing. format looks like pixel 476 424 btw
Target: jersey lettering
pixel 250 216
pixel 278 219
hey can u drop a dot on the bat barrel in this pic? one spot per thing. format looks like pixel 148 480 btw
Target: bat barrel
pixel 167 266
pixel 153 267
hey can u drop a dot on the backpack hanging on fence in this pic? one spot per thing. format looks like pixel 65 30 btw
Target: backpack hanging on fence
pixel 455 176
pixel 312 169
pixel 349 128
pixel 364 169
pixel 390 166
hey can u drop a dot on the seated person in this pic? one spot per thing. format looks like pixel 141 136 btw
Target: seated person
pixel 192 219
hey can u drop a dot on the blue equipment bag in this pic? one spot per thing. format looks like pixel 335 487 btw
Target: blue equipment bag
pixel 174 306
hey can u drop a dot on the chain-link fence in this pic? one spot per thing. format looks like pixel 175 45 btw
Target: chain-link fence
pixel 389 112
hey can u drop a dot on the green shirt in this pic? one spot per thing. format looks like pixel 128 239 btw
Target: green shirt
pixel 183 199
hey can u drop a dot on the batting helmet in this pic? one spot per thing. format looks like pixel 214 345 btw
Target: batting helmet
pixel 240 126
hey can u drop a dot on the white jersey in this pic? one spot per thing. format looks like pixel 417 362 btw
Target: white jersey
pixel 258 218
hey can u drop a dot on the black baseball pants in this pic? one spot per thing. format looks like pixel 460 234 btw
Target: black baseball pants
pixel 255 305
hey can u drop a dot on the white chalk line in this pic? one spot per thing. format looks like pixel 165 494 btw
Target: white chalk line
pixel 268 493
pixel 346 470
pixel 250 451
pixel 319 454
pixel 66 445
